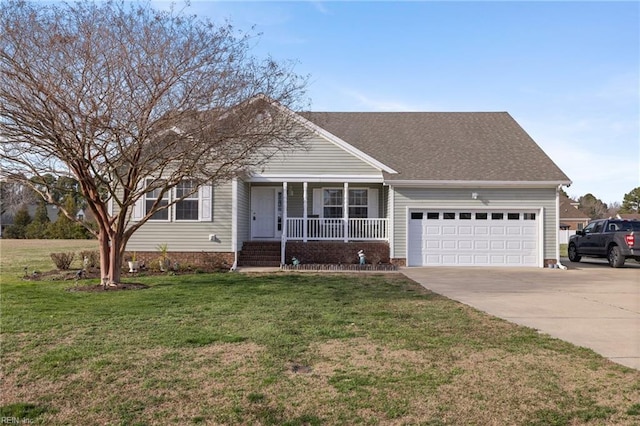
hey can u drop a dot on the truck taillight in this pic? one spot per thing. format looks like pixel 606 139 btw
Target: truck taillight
pixel 630 240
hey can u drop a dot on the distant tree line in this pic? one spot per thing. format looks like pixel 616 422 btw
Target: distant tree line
pixel 595 208
pixel 15 203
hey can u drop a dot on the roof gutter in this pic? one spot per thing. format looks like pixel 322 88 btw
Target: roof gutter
pixel 476 183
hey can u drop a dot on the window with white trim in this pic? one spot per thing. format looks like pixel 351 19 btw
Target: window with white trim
pixel 196 205
pixel 359 203
pixel 150 198
pixel 332 203
pixel 189 208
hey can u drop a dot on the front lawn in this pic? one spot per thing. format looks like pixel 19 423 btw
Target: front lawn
pixel 290 349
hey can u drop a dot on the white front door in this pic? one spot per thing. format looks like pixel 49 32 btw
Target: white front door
pixel 266 212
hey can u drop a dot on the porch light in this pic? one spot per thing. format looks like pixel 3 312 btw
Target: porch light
pixel 474 195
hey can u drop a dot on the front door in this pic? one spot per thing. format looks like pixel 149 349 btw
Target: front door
pixel 266 212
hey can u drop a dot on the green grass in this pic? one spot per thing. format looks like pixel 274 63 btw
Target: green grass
pixel 563 250
pixel 296 349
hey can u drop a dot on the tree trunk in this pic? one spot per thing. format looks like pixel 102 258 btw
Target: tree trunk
pixel 103 242
pixel 115 261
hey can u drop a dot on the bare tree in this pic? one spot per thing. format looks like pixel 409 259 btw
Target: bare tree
pixel 14 195
pixel 130 101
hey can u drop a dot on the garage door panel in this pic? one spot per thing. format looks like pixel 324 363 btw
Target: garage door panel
pixel 472 241
pixel 433 230
pixel 514 230
pixel 449 259
pixel 481 230
pixel 514 259
pixel 514 245
pixel 465 245
pixel 449 244
pixel 497 230
pixel 433 244
pixel 449 230
pixel 481 244
pixel 465 230
pixel 497 244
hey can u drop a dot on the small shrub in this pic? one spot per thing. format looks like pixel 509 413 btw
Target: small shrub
pixel 63 260
pixel 92 256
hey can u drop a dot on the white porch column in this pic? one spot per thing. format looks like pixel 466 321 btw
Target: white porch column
pixel 305 203
pixel 284 223
pixel 345 211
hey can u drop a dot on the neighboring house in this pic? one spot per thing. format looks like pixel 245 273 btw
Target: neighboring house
pixel 7 218
pixel 629 216
pixel 570 217
pixel 416 189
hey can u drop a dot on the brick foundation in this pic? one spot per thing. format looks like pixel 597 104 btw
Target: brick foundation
pixel 399 261
pixel 206 261
pixel 335 252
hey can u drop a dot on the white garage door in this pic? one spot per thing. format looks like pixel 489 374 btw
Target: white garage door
pixel 473 238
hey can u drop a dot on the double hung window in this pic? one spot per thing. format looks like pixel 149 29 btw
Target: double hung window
pixel 333 203
pixel 185 202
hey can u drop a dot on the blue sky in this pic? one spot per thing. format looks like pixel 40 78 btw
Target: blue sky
pixel 568 72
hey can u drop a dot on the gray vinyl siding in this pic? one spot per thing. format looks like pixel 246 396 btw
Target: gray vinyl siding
pixel 320 157
pixel 461 198
pixel 244 212
pixel 190 236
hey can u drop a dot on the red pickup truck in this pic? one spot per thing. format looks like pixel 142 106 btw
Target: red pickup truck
pixel 615 239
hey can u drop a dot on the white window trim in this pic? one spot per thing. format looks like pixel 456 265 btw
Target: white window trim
pixel 144 205
pixel 204 196
pixel 174 207
pixel 318 207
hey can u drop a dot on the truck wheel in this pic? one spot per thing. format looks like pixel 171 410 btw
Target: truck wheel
pixel 616 259
pixel 573 253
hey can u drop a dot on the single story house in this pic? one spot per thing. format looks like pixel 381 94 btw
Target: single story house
pixel 409 188
pixel 570 217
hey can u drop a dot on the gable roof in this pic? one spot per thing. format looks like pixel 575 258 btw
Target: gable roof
pixel 444 146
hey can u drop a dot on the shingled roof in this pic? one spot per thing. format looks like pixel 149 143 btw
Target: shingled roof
pixel 444 146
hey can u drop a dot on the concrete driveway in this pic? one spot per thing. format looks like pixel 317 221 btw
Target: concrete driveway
pixel 589 305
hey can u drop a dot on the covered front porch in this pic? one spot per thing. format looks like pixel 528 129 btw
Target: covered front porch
pixel 318 212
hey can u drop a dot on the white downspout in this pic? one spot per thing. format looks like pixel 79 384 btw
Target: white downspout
pixel 234 222
pixel 559 265
pixel 345 211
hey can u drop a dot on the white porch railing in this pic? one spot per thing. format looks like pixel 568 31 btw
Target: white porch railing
pixel 334 229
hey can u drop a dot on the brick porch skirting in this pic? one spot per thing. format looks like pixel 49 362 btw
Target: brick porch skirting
pixel 336 252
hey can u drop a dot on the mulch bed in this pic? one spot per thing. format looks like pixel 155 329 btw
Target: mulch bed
pixel 100 287
pixel 73 275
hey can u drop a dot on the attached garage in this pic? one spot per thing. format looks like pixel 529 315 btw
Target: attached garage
pixel 448 237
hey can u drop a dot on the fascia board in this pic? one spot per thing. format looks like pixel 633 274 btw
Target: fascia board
pixel 475 184
pixel 315 178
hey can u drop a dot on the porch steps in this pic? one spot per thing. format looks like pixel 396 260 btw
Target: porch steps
pixel 259 253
